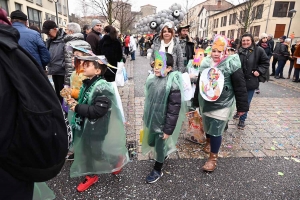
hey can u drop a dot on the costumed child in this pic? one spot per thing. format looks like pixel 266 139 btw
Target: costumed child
pixel 164 112
pixel 220 87
pixel 99 134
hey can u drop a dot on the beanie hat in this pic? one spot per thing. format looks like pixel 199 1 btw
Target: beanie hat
pixel 47 25
pixel 95 22
pixel 18 14
pixel 3 17
pixel 283 37
pixel 263 35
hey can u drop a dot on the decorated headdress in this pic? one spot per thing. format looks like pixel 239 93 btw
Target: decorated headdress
pixel 220 43
pixel 161 56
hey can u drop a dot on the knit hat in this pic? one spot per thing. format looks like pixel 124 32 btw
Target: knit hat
pixel 263 35
pixel 3 17
pixel 283 37
pixel 18 14
pixel 95 22
pixel 47 25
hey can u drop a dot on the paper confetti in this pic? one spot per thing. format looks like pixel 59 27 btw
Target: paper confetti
pixel 296 160
pixel 278 112
pixel 286 158
pixel 280 173
pixel 273 148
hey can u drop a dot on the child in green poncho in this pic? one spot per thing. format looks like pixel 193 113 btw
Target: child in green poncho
pixel 163 112
pixel 99 134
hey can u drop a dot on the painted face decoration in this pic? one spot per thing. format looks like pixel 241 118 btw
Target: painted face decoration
pixel 160 62
pixel 199 55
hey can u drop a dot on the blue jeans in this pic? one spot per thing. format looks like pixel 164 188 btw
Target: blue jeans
pixel 279 69
pixel 133 55
pixel 250 96
pixel 296 72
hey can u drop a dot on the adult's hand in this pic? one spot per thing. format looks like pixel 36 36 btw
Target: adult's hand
pixel 256 73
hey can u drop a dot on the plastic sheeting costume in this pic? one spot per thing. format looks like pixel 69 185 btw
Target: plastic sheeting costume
pixel 157 91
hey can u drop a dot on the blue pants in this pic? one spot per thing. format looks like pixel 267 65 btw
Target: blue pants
pixel 279 69
pixel 133 55
pixel 296 72
pixel 250 96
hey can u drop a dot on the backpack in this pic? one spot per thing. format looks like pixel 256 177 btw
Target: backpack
pixel 41 135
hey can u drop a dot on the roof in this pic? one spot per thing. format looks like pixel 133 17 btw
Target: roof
pixel 229 8
pixel 148 5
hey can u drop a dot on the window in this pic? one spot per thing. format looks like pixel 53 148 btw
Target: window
pixel 201 23
pixel 3 4
pixel 18 6
pixel 259 11
pixel 204 23
pixel 230 34
pixel 256 31
pixel 38 2
pixel 281 8
pixel 59 8
pixel 65 10
pixel 234 18
pixel 222 32
pixel 241 31
pixel 34 17
pixel 223 21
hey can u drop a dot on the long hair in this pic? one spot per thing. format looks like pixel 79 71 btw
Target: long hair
pixel 247 35
pixel 169 30
pixel 112 32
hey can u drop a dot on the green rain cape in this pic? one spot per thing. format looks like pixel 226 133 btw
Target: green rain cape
pixel 100 144
pixel 216 114
pixel 157 91
pixel 42 192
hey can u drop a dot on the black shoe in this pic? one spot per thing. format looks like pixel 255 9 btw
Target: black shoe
pixel 70 157
pixel 241 125
pixel 277 77
pixel 272 74
pixel 281 77
pixel 257 91
pixel 236 116
pixel 154 176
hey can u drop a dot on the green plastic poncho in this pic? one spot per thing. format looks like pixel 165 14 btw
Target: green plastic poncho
pixel 100 145
pixel 215 114
pixel 157 91
pixel 42 192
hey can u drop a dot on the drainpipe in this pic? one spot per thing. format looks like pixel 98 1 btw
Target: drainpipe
pixel 268 16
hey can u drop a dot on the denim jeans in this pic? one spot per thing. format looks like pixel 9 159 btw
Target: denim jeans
pixel 279 69
pixel 133 55
pixel 296 72
pixel 250 96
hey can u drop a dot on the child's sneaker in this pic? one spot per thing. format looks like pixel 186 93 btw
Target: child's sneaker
pixel 89 181
pixel 241 125
pixel 236 116
pixel 257 91
pixel 70 157
pixel 154 176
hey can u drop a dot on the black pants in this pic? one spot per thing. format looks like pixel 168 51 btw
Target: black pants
pixel 58 81
pixel 12 188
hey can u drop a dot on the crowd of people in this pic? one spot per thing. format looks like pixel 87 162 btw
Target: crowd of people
pixel 83 65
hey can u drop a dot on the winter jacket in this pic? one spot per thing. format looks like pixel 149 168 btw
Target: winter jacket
pixel 93 39
pixel 113 52
pixel 271 42
pixel 283 51
pixel 268 49
pixel 189 49
pixel 32 42
pixel 132 44
pixel 127 41
pixel 297 54
pixel 76 40
pixel 177 54
pixel 56 46
pixel 253 59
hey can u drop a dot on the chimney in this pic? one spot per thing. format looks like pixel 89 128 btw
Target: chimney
pixel 219 3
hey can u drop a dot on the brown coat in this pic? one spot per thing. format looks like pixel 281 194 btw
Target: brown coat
pixel 297 54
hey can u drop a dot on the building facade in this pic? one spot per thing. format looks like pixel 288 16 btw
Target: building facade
pixel 263 16
pixel 39 11
pixel 147 10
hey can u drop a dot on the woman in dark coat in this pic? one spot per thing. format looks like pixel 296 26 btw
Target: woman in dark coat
pixel 255 63
pixel 111 48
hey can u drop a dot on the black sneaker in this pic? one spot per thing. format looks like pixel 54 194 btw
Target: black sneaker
pixel 241 125
pixel 236 116
pixel 154 176
pixel 70 157
pixel 273 74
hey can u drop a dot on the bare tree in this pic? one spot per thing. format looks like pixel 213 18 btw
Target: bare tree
pixel 186 5
pixel 247 12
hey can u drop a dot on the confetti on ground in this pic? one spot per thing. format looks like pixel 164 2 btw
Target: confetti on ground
pixel 280 173
pixel 278 112
pixel 286 158
pixel 296 160
pixel 229 146
pixel 273 148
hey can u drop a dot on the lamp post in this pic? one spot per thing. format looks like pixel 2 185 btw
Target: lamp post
pixel 293 12
pixel 55 1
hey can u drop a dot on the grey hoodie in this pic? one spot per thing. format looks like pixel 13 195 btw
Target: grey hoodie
pixel 177 54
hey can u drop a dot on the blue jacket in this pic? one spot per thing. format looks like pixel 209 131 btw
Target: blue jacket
pixel 32 42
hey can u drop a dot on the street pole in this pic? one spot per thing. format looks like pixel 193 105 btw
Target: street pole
pixel 289 27
pixel 55 1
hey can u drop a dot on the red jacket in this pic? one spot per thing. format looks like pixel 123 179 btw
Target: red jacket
pixel 127 41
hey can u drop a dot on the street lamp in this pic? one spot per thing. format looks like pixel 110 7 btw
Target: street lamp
pixel 293 12
pixel 55 1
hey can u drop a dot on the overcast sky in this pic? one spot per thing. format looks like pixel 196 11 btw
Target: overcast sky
pixel 75 7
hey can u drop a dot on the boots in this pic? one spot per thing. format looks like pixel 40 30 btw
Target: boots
pixel 206 147
pixel 211 163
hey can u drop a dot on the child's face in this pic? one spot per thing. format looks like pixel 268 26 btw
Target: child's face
pixel 216 55
pixel 89 70
pixel 77 54
pixel 157 71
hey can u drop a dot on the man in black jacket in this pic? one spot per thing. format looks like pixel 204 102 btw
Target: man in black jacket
pixel 276 52
pixel 186 45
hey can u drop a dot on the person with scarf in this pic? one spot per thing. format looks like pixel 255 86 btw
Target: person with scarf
pixel 255 63
pixel 166 42
pixel 187 46
pixel 283 55
pixel 220 87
